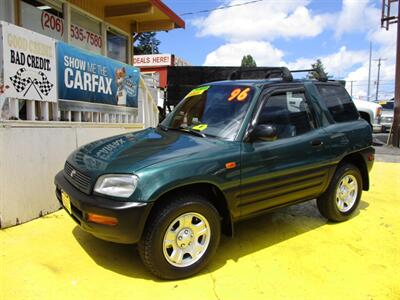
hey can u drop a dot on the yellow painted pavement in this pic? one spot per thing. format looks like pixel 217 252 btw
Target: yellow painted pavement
pixel 290 254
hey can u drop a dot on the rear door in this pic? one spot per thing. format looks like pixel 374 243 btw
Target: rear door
pixel 292 167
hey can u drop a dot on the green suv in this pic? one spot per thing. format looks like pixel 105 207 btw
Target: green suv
pixel 229 150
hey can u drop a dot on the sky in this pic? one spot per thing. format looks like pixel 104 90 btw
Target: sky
pixel 291 33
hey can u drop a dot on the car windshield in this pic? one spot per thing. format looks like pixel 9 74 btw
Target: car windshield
pixel 215 110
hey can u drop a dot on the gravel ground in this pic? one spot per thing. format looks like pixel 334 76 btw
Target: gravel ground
pixel 387 153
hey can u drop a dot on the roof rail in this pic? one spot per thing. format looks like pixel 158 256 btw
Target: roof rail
pixel 274 72
pixel 321 76
pixel 268 73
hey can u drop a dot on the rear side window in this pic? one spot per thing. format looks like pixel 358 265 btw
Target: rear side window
pixel 338 102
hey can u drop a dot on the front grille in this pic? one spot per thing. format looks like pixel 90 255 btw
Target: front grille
pixel 77 178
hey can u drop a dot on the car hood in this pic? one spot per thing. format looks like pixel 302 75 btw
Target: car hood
pixel 366 104
pixel 131 152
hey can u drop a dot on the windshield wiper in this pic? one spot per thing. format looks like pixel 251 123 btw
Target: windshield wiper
pixel 192 131
pixel 162 127
pixel 198 133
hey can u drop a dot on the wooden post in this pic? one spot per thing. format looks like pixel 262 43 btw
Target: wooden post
pixel 44 111
pixel 396 118
pixel 14 108
pixel 30 110
pixel 77 116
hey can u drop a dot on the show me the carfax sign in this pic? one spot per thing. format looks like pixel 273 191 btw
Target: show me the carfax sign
pixel 28 64
pixel 88 77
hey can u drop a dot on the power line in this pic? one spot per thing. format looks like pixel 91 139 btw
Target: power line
pixel 219 8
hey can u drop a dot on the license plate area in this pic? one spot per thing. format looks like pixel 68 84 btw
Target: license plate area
pixel 66 201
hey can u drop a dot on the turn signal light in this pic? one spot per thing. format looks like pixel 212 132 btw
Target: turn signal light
pixel 230 165
pixel 100 219
pixel 371 157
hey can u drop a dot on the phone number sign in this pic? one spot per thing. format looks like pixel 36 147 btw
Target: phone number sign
pixel 80 36
pixel 51 25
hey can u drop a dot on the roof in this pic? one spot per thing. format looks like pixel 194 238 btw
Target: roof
pixel 133 15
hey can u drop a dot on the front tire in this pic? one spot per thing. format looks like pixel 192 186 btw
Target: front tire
pixel 342 197
pixel 180 237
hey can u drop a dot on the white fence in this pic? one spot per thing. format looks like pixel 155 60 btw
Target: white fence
pixel 77 111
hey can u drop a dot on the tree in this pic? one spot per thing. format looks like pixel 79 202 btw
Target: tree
pixel 248 61
pixel 147 43
pixel 318 65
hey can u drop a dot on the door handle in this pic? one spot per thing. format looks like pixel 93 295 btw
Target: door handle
pixel 317 143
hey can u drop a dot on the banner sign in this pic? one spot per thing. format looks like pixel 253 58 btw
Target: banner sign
pixel 152 60
pixel 83 76
pixel 29 64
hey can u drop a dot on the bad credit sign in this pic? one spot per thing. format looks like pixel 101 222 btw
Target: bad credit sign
pixel 29 64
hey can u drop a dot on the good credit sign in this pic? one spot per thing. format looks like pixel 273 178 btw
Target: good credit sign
pixel 29 64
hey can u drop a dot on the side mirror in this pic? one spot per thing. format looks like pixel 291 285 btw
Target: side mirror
pixel 264 132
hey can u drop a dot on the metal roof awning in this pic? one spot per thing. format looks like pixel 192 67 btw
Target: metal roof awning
pixel 133 15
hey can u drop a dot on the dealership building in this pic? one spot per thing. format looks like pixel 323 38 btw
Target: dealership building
pixel 67 78
pixel 104 27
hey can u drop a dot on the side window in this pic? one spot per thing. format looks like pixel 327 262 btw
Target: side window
pixel 338 102
pixel 289 113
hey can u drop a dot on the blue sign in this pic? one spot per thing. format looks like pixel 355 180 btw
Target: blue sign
pixel 84 76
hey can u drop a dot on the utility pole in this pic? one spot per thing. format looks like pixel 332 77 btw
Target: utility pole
pixel 369 71
pixel 351 87
pixel 379 60
pixel 386 20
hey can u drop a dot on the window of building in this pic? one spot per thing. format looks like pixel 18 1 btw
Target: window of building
pixel 6 11
pixel 43 16
pixel 289 113
pixel 339 102
pixel 85 32
pixel 117 46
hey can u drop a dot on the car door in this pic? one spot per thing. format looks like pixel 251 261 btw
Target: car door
pixel 293 166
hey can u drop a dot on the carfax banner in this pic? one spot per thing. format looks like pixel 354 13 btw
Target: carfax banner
pixel 83 76
pixel 29 64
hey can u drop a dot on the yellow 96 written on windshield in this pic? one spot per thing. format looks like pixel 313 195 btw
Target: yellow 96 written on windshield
pixel 239 94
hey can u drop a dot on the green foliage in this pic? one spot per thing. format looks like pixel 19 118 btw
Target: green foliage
pixel 248 61
pixel 147 44
pixel 318 65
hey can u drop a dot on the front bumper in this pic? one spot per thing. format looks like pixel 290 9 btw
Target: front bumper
pixel 131 217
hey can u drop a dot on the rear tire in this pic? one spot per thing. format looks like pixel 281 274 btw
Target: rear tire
pixel 342 197
pixel 180 237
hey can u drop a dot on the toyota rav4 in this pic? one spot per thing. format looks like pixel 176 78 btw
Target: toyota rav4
pixel 230 150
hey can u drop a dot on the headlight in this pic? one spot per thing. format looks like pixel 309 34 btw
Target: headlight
pixel 116 185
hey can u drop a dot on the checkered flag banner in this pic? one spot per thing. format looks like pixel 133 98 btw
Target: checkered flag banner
pixel 44 85
pixel 19 81
pixel 23 80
